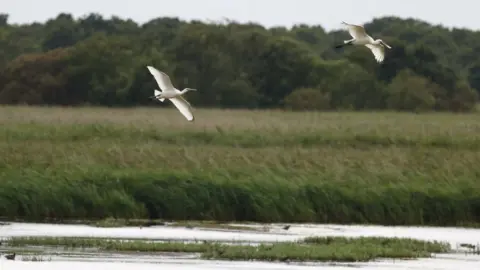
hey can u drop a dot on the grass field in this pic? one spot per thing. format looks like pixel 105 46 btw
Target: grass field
pixel 310 249
pixel 266 166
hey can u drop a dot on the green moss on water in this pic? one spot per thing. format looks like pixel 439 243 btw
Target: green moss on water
pixel 311 249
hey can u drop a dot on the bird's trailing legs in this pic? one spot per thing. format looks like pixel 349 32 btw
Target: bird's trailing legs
pixel 345 43
pixel 157 96
pixel 154 97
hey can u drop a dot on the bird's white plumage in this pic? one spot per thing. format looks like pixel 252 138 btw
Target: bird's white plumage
pixel 171 93
pixel 157 93
pixel 378 51
pixel 356 31
pixel 162 79
pixel 183 106
pixel 360 37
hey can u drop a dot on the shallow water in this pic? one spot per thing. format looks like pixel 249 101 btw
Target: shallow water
pixel 454 236
pixel 441 263
pixel 60 259
pixel 154 233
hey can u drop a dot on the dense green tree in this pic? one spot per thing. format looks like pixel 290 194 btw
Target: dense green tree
pixel 3 19
pixel 60 32
pixel 411 92
pixel 101 71
pixel 38 78
pixel 474 77
pixel 102 61
pixel 307 99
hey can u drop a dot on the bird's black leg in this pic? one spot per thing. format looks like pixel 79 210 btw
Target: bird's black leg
pixel 344 44
pixel 155 97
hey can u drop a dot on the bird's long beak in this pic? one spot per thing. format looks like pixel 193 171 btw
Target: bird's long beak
pixel 386 45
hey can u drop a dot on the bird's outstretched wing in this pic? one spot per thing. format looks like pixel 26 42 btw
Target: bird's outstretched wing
pixel 183 106
pixel 356 31
pixel 162 79
pixel 378 51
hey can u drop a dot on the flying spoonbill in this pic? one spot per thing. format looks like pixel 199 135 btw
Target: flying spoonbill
pixel 360 37
pixel 171 93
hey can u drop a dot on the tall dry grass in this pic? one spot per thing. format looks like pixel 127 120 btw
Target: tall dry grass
pixel 388 168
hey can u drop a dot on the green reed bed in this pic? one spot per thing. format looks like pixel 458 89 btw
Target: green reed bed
pixel 263 166
pixel 311 249
pixel 261 197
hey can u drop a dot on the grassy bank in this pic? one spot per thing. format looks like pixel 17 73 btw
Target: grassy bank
pixel 255 129
pixel 384 168
pixel 113 223
pixel 310 249
pixel 131 193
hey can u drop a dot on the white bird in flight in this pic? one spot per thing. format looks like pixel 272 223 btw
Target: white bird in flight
pixel 171 93
pixel 360 37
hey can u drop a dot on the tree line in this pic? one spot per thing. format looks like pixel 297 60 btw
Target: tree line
pixel 102 61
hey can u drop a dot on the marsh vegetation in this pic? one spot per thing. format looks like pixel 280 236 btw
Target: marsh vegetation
pixel 310 249
pixel 235 165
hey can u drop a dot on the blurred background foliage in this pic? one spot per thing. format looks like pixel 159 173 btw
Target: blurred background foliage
pixel 98 61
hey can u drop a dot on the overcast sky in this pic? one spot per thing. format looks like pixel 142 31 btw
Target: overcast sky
pixel 329 14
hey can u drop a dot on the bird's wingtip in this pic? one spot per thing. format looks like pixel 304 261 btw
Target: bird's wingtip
pixel 150 68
